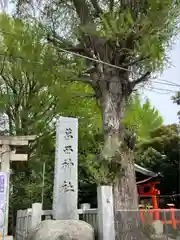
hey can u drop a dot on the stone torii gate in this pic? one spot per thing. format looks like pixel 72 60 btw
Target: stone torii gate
pixel 12 148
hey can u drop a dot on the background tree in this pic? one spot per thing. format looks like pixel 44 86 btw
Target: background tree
pixel 176 99
pixel 133 36
pixel 141 118
pixel 161 153
pixel 30 102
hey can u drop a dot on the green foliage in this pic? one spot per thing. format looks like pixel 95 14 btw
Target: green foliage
pixel 26 86
pixel 176 99
pixel 30 98
pixel 142 118
pixel 138 32
pixel 161 154
pixel 149 26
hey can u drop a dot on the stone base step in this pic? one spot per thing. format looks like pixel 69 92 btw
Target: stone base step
pixel 8 238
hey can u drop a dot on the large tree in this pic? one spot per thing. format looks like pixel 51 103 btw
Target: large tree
pixel 131 38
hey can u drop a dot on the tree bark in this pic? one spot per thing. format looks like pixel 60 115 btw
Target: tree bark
pixel 127 219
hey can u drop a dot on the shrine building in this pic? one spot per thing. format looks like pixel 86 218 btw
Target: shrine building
pixel 147 187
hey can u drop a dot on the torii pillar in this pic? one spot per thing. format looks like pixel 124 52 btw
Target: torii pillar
pixel 12 148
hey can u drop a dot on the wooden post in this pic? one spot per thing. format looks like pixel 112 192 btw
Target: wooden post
pixel 173 219
pixel 141 212
pixel 106 228
pixel 155 207
pixel 36 215
pixel 165 223
pixel 85 206
pixel 65 194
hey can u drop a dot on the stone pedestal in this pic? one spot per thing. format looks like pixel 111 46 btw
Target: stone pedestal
pixel 62 229
pixel 8 238
pixel 158 226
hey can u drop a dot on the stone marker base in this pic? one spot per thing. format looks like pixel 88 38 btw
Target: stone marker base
pixel 158 227
pixel 8 238
pixel 62 229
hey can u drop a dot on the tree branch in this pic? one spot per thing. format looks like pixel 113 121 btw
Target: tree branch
pixel 89 70
pixel 82 79
pixel 111 5
pixel 142 79
pixel 3 63
pixel 57 40
pixel 86 79
pixel 90 95
pixel 82 11
pixel 96 7
pixel 140 59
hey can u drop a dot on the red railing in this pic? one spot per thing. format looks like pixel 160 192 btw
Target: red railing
pixel 153 213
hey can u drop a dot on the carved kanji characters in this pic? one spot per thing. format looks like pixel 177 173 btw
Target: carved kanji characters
pixel 67 163
pixel 68 133
pixel 67 186
pixel 68 149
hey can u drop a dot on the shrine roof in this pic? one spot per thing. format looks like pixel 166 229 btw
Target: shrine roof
pixel 145 171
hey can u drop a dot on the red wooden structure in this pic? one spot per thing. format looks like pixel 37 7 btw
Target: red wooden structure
pixel 149 190
pixel 172 221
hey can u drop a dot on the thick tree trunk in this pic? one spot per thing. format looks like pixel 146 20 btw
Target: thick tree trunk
pixel 127 220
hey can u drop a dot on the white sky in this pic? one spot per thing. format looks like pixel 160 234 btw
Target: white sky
pixel 163 102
